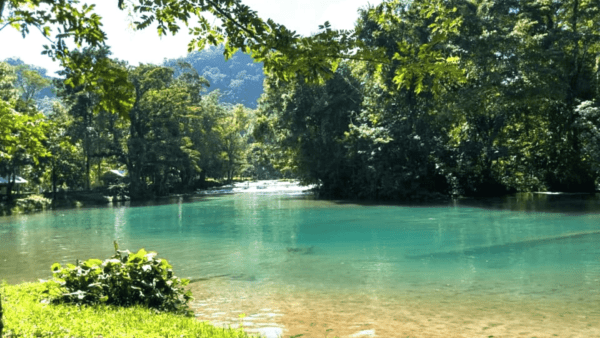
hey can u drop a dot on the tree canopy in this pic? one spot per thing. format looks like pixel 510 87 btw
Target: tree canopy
pixel 422 97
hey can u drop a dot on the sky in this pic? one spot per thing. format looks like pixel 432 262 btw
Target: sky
pixel 303 16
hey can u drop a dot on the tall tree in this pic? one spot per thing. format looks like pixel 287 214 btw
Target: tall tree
pixel 21 134
pixel 86 103
pixel 30 82
pixel 303 126
pixel 64 166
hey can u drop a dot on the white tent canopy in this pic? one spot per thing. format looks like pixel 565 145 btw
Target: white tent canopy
pixel 18 180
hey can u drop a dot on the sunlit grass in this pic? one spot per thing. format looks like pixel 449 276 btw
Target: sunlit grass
pixel 25 315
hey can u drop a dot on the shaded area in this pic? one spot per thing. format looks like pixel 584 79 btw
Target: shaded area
pixel 546 202
pixel 555 202
pixel 505 247
pixel 301 251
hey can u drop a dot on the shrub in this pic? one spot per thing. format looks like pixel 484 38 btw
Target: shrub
pixel 118 190
pixel 125 279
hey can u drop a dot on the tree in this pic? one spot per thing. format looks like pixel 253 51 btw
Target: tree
pixel 30 82
pixel 206 137
pixel 74 22
pixel 302 127
pixel 161 146
pixel 282 51
pixel 64 166
pixel 87 108
pixel 233 130
pixel 21 135
pixel 526 78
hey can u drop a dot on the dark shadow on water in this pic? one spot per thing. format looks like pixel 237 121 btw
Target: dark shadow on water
pixel 137 204
pixel 568 203
pixel 506 247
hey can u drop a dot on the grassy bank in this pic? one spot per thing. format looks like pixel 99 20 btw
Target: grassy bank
pixel 26 315
pixel 39 202
pixel 27 204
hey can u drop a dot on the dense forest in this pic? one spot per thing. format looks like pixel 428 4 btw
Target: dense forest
pixel 176 135
pixel 436 98
pixel 505 100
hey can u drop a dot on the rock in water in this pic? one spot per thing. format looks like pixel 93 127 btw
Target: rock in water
pixel 302 251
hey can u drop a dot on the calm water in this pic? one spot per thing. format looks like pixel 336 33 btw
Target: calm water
pixel 526 253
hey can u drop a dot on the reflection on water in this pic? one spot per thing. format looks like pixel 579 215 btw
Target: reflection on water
pixel 570 203
pixel 526 264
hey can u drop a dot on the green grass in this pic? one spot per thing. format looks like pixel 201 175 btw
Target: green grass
pixel 25 315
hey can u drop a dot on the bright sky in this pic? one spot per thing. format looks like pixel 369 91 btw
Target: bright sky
pixel 303 16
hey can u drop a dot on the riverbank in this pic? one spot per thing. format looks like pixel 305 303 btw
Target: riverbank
pixel 101 197
pixel 26 315
pixel 32 203
pixel 420 312
pixel 236 309
pixel 39 202
pixel 305 266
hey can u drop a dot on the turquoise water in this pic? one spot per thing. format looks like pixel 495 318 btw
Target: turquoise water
pixel 509 248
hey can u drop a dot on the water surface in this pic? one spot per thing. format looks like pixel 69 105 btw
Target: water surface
pixel 525 265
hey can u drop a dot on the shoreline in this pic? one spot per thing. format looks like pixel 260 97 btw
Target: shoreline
pixel 263 308
pixel 379 313
pixel 35 203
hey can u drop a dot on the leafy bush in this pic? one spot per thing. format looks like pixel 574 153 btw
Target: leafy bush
pixel 118 190
pixel 125 279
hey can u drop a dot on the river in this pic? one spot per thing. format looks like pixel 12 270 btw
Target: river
pixel 272 258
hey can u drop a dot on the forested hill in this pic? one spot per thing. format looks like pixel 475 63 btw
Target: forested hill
pixel 239 79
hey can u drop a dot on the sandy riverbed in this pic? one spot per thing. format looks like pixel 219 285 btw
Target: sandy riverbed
pixel 272 310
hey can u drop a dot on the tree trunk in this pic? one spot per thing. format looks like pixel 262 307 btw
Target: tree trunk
pixel 9 186
pixel 87 172
pixel 98 173
pixel 203 178
pixel 86 143
pixel 2 4
pixel 53 183
pixel 135 180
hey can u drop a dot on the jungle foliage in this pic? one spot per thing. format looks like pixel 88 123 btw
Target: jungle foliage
pixel 462 97
pixel 169 135
pixel 422 98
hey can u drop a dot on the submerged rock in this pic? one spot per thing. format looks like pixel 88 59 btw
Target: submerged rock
pixel 364 333
pixel 202 279
pixel 244 278
pixel 268 332
pixel 302 251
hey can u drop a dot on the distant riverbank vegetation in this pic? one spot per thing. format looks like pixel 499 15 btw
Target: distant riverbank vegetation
pixel 423 99
pixel 177 137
